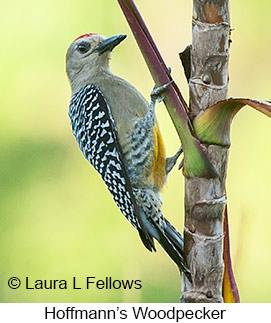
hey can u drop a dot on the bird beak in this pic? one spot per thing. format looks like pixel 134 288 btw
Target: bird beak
pixel 109 44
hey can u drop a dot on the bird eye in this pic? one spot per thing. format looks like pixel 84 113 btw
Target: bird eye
pixel 83 47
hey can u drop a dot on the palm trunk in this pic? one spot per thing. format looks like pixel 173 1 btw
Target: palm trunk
pixel 205 199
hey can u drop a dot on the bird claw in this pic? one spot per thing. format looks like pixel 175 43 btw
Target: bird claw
pixel 181 164
pixel 157 91
pixel 171 161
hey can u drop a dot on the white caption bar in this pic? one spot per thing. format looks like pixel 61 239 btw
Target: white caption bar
pixel 164 312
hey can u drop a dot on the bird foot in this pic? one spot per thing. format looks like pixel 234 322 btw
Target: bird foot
pixel 157 91
pixel 171 161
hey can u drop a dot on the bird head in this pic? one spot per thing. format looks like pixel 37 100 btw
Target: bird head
pixel 89 53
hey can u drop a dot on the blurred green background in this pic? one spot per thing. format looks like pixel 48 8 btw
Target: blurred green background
pixel 57 220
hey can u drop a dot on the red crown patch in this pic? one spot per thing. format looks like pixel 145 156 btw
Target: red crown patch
pixel 85 35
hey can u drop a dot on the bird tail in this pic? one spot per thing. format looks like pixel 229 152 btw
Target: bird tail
pixel 171 241
pixel 174 236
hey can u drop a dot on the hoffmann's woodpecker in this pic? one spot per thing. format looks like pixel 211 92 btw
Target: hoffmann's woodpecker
pixel 118 133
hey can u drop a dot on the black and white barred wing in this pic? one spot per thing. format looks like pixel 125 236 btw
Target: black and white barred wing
pixel 96 134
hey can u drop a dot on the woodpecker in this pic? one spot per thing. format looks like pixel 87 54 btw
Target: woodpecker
pixel 117 131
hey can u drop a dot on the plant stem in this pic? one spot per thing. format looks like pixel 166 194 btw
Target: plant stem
pixel 205 199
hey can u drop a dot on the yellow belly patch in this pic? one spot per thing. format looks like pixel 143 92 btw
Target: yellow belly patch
pixel 158 173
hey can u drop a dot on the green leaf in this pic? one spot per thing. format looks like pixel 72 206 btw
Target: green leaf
pixel 212 126
pixel 196 162
pixel 230 289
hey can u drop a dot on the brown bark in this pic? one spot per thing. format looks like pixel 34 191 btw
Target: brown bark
pixel 205 199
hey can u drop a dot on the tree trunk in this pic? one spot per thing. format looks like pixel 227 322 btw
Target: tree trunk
pixel 205 199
